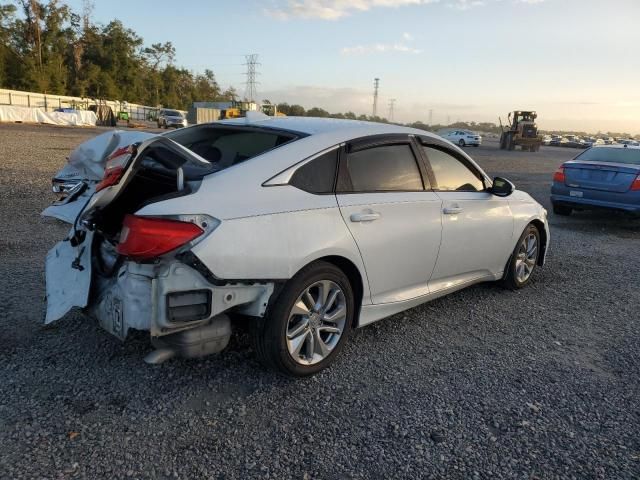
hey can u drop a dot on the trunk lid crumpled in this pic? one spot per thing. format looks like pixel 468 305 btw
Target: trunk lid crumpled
pixel 86 164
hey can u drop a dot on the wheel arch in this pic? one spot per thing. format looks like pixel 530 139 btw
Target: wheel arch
pixel 354 275
pixel 544 238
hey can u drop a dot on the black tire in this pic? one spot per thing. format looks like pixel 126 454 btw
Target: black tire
pixel 562 210
pixel 461 143
pixel 270 332
pixel 511 280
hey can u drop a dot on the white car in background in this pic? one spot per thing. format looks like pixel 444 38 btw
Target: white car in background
pixel 462 138
pixel 307 228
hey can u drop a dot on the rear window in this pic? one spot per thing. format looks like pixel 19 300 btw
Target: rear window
pixel 228 146
pixel 611 155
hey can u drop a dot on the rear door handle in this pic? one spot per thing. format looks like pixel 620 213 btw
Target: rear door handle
pixel 364 217
pixel 452 210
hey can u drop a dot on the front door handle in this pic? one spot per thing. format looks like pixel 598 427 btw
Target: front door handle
pixel 364 217
pixel 452 210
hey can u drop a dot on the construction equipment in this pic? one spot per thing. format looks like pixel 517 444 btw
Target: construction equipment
pixel 521 131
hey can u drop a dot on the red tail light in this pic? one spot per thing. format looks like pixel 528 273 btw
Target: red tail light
pixel 116 166
pixel 635 186
pixel 144 238
pixel 559 175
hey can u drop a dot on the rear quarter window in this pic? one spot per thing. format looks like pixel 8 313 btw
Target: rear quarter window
pixel 318 175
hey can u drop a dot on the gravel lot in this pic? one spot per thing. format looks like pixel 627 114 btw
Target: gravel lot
pixel 486 383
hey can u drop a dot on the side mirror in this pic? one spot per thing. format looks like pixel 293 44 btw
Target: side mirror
pixel 502 187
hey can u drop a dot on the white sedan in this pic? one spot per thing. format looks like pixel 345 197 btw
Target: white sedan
pixel 462 138
pixel 307 228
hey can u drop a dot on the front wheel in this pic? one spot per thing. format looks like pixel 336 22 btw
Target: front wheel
pixel 524 259
pixel 309 322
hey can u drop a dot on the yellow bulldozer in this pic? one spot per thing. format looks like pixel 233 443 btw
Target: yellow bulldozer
pixel 521 131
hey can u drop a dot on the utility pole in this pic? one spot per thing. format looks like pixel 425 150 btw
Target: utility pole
pixel 448 119
pixel 431 117
pixel 392 101
pixel 251 92
pixel 376 83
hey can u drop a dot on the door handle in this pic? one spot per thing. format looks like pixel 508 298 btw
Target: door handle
pixel 452 210
pixel 364 217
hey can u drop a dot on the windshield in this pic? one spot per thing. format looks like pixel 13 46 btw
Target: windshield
pixel 225 146
pixel 172 113
pixel 611 155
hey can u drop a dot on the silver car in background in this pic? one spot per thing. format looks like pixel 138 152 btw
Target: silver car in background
pixel 171 118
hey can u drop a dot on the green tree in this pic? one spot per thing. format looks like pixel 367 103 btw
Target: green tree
pixel 317 112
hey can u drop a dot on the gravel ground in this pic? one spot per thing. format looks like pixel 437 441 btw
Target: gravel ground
pixel 486 383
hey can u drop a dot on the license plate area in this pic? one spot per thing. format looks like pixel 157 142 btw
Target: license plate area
pixel 575 193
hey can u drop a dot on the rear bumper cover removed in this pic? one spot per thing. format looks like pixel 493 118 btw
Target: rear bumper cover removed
pixel 162 298
pixel 147 297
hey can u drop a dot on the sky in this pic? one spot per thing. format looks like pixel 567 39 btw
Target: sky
pixel 576 62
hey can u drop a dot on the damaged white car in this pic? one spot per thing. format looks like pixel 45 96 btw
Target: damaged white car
pixel 306 227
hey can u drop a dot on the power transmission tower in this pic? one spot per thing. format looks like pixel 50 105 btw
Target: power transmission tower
pixel 376 83
pixel 251 92
pixel 392 102
pixel 431 117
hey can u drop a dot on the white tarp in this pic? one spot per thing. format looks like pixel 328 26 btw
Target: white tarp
pixel 38 115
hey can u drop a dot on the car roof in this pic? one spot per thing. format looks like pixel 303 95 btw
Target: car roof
pixel 315 125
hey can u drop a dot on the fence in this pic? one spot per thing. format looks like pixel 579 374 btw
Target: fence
pixel 49 103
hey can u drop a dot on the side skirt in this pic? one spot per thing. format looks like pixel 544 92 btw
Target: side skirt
pixel 373 313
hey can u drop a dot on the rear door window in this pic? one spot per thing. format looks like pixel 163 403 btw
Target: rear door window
pixel 381 169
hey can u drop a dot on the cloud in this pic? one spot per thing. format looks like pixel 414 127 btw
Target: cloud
pixel 469 4
pixel 336 9
pixel 466 4
pixel 398 47
pixel 333 9
pixel 379 48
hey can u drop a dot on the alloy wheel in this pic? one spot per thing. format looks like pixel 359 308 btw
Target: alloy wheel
pixel 526 257
pixel 316 322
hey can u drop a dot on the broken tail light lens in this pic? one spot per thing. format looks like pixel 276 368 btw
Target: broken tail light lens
pixel 145 238
pixel 559 175
pixel 115 167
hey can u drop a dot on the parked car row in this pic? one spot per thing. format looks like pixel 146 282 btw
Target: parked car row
pixel 574 141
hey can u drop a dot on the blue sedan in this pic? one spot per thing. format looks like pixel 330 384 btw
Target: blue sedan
pixel 606 176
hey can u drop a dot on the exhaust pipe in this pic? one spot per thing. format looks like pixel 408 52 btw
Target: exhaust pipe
pixel 193 343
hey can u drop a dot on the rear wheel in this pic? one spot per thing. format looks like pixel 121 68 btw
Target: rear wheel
pixel 562 210
pixel 461 142
pixel 309 322
pixel 524 259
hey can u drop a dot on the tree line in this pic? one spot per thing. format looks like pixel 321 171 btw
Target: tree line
pixel 47 47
